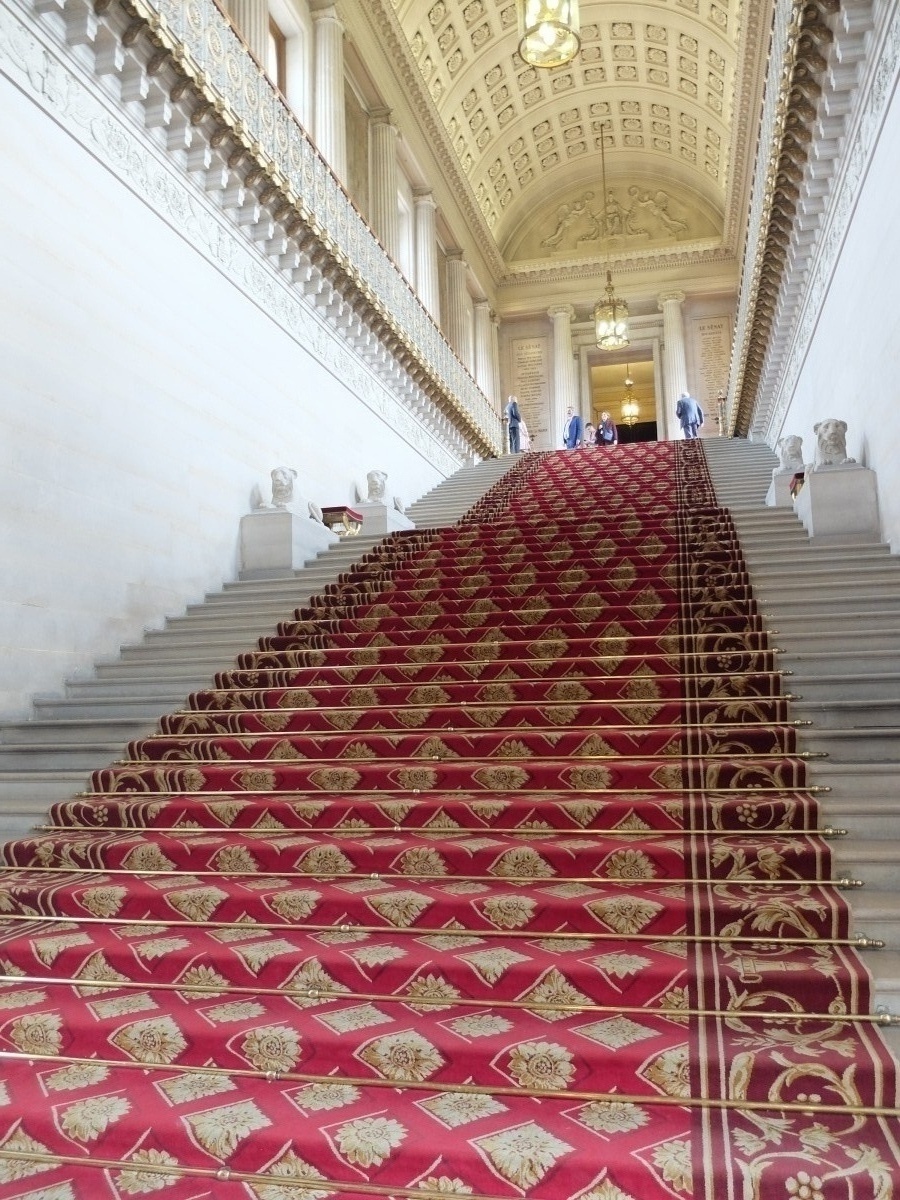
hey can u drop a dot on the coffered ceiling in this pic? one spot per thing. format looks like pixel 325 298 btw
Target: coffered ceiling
pixel 669 89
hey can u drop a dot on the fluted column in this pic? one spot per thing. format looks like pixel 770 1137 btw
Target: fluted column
pixel 330 124
pixel 383 179
pixel 674 362
pixel 251 18
pixel 427 285
pixel 565 392
pixel 456 318
pixel 484 363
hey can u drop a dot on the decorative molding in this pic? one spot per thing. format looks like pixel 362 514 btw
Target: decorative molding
pixel 44 70
pixel 862 128
pixel 796 224
pixel 203 66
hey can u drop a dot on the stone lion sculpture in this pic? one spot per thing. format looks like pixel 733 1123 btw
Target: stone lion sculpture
pixel 283 486
pixel 831 443
pixel 790 452
pixel 377 483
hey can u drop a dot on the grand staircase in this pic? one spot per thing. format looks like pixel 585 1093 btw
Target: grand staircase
pixel 51 755
pixel 493 871
pixel 835 613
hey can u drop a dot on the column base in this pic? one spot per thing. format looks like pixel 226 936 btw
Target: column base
pixel 839 503
pixel 276 540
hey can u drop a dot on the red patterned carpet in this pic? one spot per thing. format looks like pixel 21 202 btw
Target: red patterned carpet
pixel 494 873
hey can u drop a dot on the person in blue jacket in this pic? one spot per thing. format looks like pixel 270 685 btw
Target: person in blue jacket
pixel 573 429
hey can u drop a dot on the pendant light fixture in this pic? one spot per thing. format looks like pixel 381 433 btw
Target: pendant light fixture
pixel 631 410
pixel 611 314
pixel 549 32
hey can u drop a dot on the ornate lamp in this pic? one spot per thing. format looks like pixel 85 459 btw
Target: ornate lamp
pixel 631 410
pixel 611 320
pixel 549 30
pixel 611 314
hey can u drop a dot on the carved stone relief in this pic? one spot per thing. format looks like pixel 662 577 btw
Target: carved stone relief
pixel 630 216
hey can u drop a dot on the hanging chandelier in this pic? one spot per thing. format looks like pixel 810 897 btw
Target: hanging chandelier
pixel 611 314
pixel 631 410
pixel 611 320
pixel 549 32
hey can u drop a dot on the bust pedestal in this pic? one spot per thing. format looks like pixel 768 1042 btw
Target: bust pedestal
pixel 779 493
pixel 275 541
pixel 382 518
pixel 839 503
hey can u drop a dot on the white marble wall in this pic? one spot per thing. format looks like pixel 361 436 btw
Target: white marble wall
pixel 852 367
pixel 147 390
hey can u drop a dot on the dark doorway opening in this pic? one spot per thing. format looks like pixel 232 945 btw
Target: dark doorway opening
pixel 641 431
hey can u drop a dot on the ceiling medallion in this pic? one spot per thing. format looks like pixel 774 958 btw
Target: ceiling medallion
pixel 549 32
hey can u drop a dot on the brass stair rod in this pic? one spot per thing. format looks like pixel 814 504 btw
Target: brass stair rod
pixel 325 876
pixel 864 943
pixel 471 1089
pixel 260 1181
pixel 423 831
pixel 211 991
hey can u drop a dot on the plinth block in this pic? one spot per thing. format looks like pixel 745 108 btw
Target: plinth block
pixel 275 540
pixel 779 493
pixel 839 503
pixel 382 518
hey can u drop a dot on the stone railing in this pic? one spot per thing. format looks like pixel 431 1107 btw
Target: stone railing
pixel 215 60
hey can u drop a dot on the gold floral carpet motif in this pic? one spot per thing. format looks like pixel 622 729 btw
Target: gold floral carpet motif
pixel 494 871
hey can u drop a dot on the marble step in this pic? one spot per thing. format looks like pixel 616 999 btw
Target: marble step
pixel 860 745
pixel 866 781
pixel 849 660
pixel 823 643
pixel 852 686
pixel 849 714
pixel 139 681
pixel 783 624
pixel 87 706
pixel 87 755
pixel 874 862
pixel 25 796
pixel 116 730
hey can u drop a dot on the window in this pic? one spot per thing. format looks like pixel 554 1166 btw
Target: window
pixel 276 66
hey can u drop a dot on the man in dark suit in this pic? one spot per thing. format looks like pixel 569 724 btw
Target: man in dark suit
pixel 514 419
pixel 573 429
pixel 690 416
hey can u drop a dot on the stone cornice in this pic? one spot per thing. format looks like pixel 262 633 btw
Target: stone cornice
pixel 855 126
pixel 801 219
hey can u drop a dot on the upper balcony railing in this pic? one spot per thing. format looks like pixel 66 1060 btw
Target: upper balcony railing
pixel 213 56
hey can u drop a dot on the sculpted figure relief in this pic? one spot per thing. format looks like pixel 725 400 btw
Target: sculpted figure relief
pixel 566 215
pixel 831 443
pixel 283 486
pixel 790 452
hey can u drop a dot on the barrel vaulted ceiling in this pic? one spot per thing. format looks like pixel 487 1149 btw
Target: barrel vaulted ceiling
pixel 668 87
